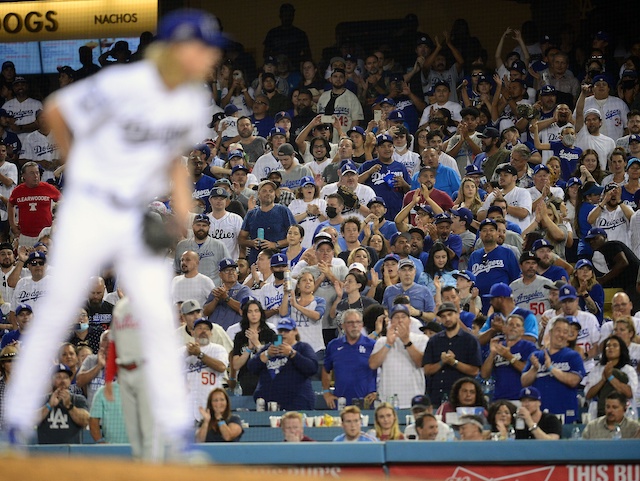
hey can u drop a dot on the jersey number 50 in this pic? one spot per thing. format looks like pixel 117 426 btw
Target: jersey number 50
pixel 208 378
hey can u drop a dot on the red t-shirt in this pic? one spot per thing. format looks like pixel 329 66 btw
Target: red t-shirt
pixel 34 207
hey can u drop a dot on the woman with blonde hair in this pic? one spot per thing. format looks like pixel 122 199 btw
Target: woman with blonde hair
pixel 468 196
pixel 386 424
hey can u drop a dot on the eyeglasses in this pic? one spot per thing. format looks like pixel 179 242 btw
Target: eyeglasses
pixel 36 263
pixel 475 75
pixel 259 102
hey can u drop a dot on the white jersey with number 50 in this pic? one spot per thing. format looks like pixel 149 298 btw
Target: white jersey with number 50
pixel 202 379
pixel 128 112
pixel 532 297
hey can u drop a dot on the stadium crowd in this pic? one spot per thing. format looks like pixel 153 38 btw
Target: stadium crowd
pixel 408 226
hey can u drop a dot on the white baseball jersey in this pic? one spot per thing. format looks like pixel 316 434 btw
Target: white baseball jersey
pixel 270 296
pixel 411 161
pixel 452 107
pixel 309 223
pixel 226 230
pixel 615 223
pixel 613 112
pixel 347 108
pixel 23 113
pixel 201 379
pixel 518 197
pixel 264 165
pixel 152 127
pixel 532 297
pixel 364 193
pixel 30 292
pixel 8 170
pixel 39 147
pixel 185 288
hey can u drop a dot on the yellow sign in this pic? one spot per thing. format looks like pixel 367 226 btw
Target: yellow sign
pixel 76 19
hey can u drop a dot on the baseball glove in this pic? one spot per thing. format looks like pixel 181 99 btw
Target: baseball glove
pixel 350 198
pixel 157 235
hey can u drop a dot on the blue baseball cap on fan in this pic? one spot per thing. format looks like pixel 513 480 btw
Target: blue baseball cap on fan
pixel 191 24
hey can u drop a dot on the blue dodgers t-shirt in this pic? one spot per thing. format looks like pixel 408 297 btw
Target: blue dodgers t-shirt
pixel 499 265
pixel 568 158
pixel 275 223
pixel 378 181
pixel 507 377
pixel 350 363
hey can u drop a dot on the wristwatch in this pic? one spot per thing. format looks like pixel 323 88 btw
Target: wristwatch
pixel 408 345
pixel 455 363
pixel 201 355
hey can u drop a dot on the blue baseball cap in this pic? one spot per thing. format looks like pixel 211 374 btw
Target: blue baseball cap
pixel 499 290
pixel 396 235
pixel 23 307
pixel 473 169
pixel 547 90
pixel 567 292
pixel 530 393
pixel 382 138
pixel 391 257
pixel 490 222
pixel 573 321
pixel 464 213
pixel 203 148
pixel 384 100
pixel 277 131
pixel 540 243
pixel 203 320
pixel 279 260
pixel 396 115
pixel 584 262
pixel 281 115
pixel 235 153
pixel 599 78
pixel 632 160
pixel 424 208
pixel 307 180
pixel 591 188
pixel 236 168
pixel 594 232
pixel 33 255
pixel 574 181
pixel 399 308
pixel 217 192
pixel 287 323
pixel 440 218
pixel 349 167
pixel 540 167
pixel 226 263
pixel 191 24
pixel 376 200
pixel 231 109
pixel 489 133
pixel 357 129
pixel 632 137
pixel 202 218
pixel 468 275
pixel 63 368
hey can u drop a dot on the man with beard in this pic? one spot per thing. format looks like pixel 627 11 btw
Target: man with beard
pixel 190 284
pixel 262 121
pixel 543 249
pixel 305 112
pixel 292 171
pixel 202 184
pixel 210 251
pixel 434 139
pixel 98 310
pixel 254 146
pixel 518 199
pixel 590 137
pixel 265 226
pixel 493 263
pixel 426 181
pixel 223 304
pixel 507 357
pixel 493 154
pixel 340 102
pixel 450 355
pixel 269 161
pixel 611 215
pixel 465 144
pixel 7 266
pixel 446 179
pixel 529 290
pixel 205 365
pixel 633 127
pixel 349 182
pixel 436 66
pixel 277 101
pixel 613 110
pixel 376 223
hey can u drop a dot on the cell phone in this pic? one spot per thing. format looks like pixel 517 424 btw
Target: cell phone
pixel 377 115
pixel 326 119
pixel 237 75
pixel 278 341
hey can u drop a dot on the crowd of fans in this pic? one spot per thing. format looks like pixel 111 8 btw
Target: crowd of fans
pixel 408 226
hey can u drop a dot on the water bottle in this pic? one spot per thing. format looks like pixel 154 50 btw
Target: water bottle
pixel 451 436
pixel 260 234
pixel 396 402
pixel 576 434
pixel 519 423
pixel 342 403
pixel 617 433
pixel 631 414
pixel 376 402
pixel 261 405
pixel 511 436
pixel 237 391
pixel 287 281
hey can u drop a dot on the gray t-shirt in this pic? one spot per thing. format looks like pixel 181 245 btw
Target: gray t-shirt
pixel 327 291
pixel 255 149
pixel 210 252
